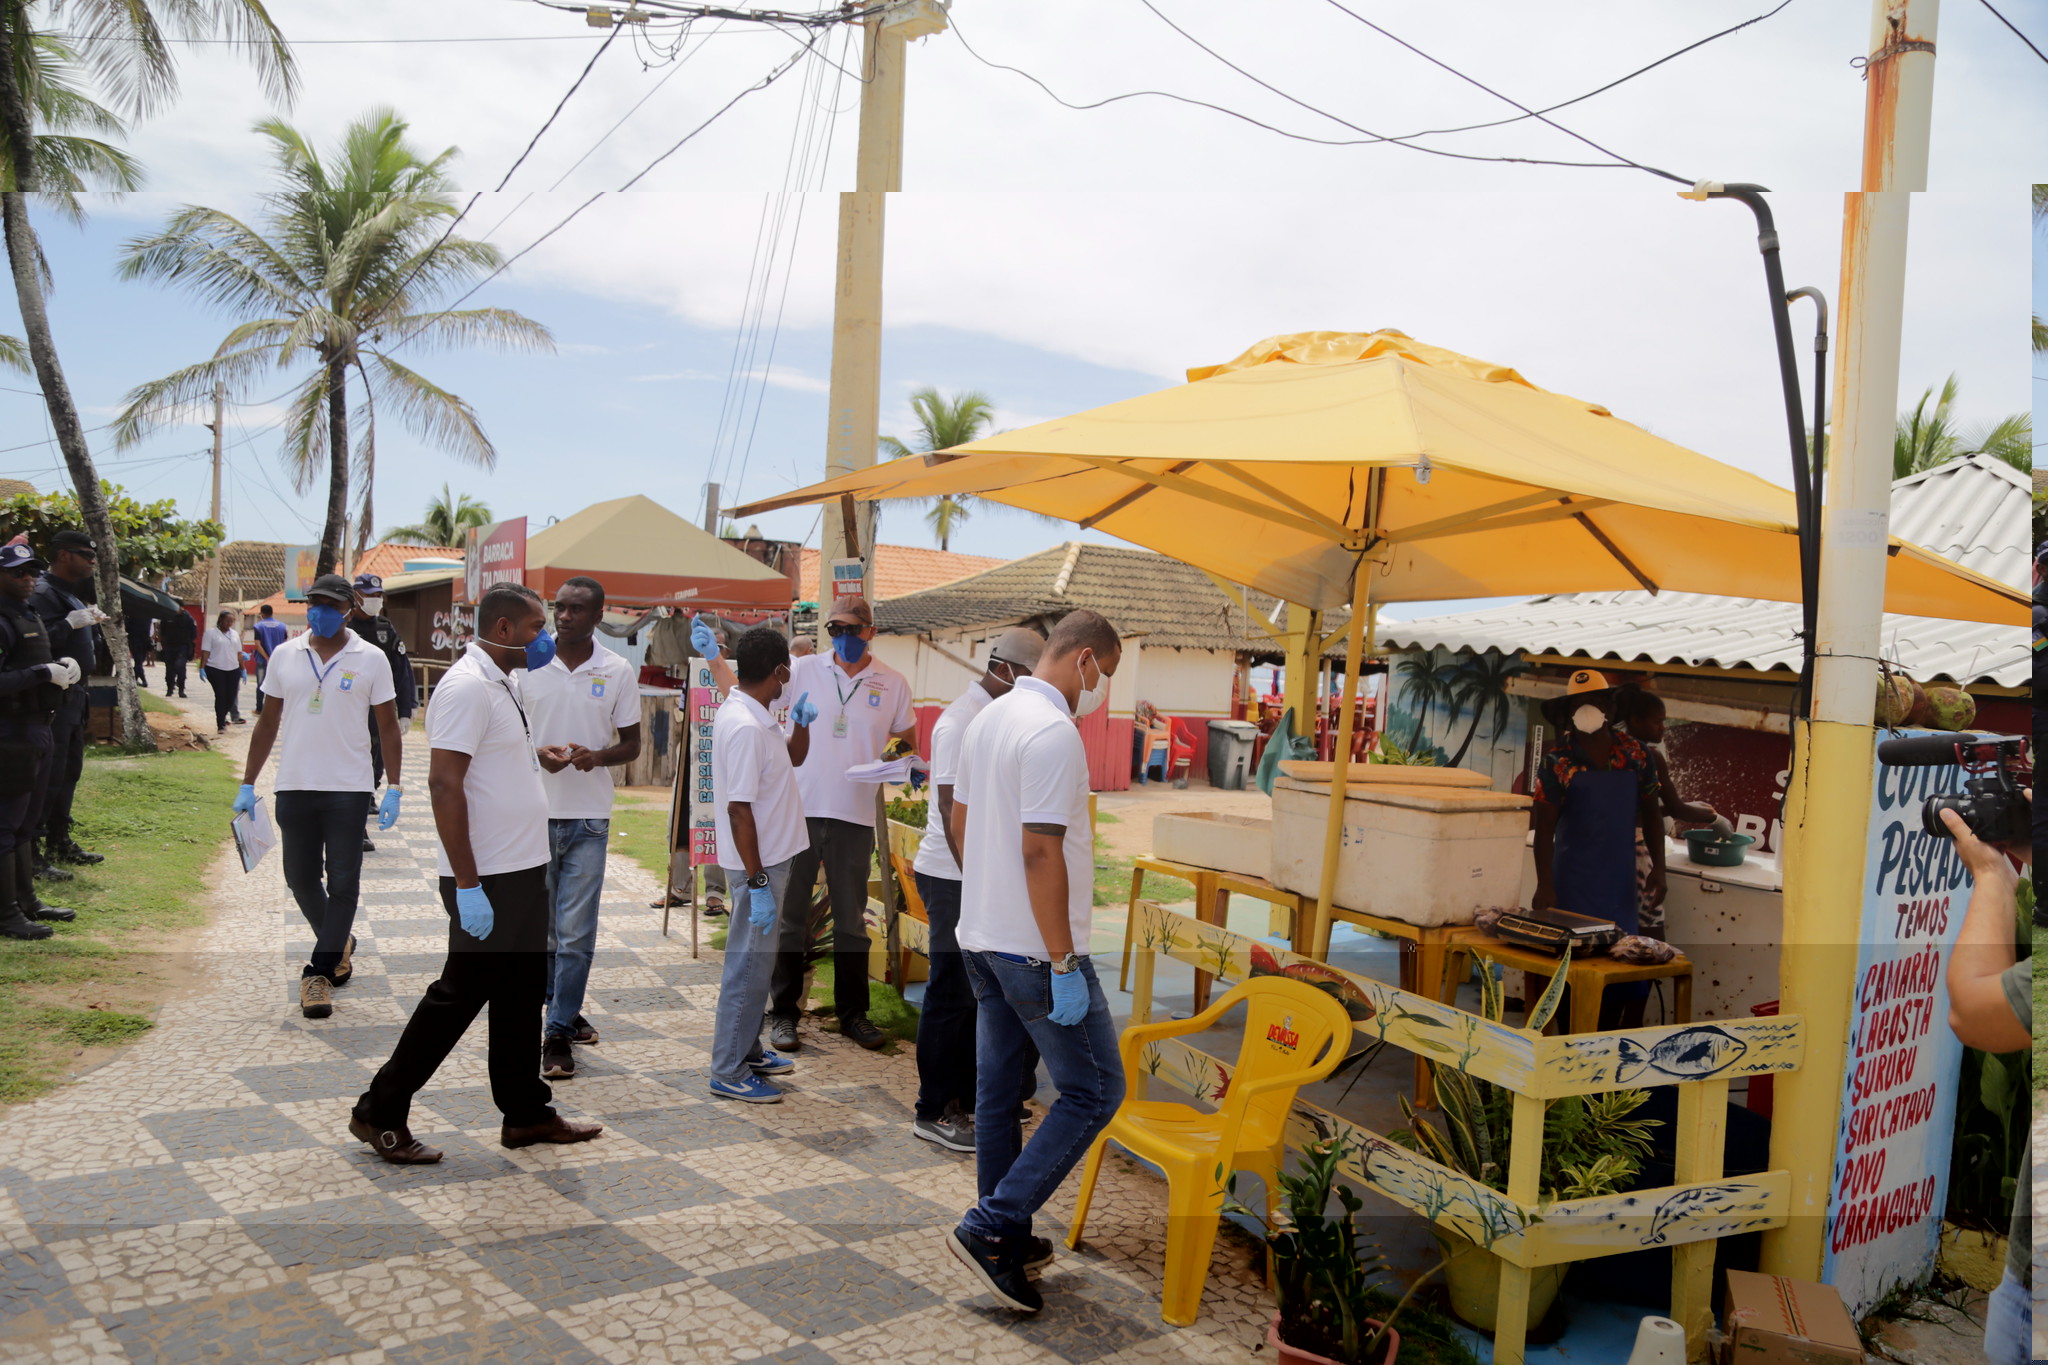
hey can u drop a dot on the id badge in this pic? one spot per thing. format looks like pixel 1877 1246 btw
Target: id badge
pixel 839 726
pixel 313 705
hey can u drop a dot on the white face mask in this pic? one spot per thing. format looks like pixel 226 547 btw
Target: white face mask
pixel 1589 719
pixel 373 606
pixel 1091 698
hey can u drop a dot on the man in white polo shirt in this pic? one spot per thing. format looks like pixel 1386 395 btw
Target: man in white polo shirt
pixel 576 702
pixel 327 686
pixel 492 816
pixel 862 704
pixel 1020 820
pixel 761 832
pixel 945 1021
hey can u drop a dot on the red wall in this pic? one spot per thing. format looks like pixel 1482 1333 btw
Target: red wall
pixel 1107 740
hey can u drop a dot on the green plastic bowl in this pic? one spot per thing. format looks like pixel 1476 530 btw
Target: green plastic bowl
pixel 1711 848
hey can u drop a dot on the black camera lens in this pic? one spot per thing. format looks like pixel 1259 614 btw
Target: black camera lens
pixel 1930 814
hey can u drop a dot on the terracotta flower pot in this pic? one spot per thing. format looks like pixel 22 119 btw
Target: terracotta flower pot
pixel 1284 1354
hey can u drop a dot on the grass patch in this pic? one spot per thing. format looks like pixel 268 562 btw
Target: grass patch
pixel 1112 874
pixel 159 819
pixel 152 702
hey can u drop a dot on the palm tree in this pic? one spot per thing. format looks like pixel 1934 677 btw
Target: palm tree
pixel 1926 438
pixel 1429 682
pixel 68 161
pixel 448 519
pixel 943 423
pixel 2040 220
pixel 1483 685
pixel 341 272
pixel 128 48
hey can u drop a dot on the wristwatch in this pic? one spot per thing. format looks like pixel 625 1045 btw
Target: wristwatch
pixel 759 881
pixel 1069 963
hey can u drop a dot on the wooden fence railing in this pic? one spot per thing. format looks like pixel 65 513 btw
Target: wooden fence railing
pixel 1517 1225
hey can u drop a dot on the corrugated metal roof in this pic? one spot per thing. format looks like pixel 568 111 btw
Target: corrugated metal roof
pixel 1973 510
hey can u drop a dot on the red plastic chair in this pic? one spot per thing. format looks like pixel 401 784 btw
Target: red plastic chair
pixel 1180 752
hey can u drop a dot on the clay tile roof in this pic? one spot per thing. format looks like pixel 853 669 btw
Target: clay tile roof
pixel 14 488
pixel 901 569
pixel 249 569
pixel 388 560
pixel 1167 602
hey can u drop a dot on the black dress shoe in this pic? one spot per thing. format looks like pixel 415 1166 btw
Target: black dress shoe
pixel 55 914
pixel 368 847
pixel 396 1145
pixel 70 852
pixel 50 872
pixel 555 1129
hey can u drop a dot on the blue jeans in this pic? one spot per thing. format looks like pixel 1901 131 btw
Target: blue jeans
pixel 2008 1324
pixel 575 884
pixel 1013 999
pixel 743 989
pixel 322 849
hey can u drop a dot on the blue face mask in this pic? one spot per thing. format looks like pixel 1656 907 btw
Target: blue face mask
pixel 850 648
pixel 324 621
pixel 540 652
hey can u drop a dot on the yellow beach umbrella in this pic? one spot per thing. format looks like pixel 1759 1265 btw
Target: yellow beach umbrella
pixel 1261 471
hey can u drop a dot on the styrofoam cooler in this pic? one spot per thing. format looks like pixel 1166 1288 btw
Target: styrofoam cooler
pixel 1424 855
pixel 1229 843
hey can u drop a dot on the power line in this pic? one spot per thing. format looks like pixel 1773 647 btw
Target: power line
pixel 773 76
pixel 334 42
pixel 560 105
pixel 2016 30
pixel 674 67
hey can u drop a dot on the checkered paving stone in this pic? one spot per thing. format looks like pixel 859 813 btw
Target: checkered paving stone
pixel 199 1198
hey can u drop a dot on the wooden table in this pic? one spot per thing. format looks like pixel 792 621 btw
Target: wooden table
pixel 1586 978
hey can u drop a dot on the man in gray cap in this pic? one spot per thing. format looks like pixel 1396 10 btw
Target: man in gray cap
pixel 32 683
pixel 367 619
pixel 862 705
pixel 945 1024
pixel 73 625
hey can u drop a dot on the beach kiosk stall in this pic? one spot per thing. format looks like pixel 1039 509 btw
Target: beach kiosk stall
pixel 1338 470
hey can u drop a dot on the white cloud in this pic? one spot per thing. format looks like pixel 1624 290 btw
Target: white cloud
pixel 780 379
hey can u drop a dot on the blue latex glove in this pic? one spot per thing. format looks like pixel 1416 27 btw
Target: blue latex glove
pixel 387 810
pixel 473 911
pixel 918 777
pixel 245 800
pixel 1069 997
pixel 761 908
pixel 803 713
pixel 702 639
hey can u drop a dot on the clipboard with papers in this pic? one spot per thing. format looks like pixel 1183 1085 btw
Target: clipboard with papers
pixel 255 835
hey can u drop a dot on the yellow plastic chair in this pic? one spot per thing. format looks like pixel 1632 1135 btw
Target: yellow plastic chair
pixel 1293 1034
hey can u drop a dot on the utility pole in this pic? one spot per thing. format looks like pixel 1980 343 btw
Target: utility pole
pixel 220 398
pixel 1827 804
pixel 711 508
pixel 854 404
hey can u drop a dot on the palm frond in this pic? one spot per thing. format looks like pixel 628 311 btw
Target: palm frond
pixel 157 402
pixel 304 453
pixel 430 412
pixel 128 48
pixel 14 355
pixel 498 327
pixel 220 259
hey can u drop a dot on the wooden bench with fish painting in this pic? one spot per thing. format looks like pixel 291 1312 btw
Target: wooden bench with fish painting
pixel 1586 978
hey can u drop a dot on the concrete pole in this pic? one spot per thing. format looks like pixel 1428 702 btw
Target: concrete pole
pixel 853 405
pixel 1827 804
pixel 1304 633
pixel 220 397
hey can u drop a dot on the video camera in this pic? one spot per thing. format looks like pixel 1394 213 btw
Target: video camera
pixel 1991 802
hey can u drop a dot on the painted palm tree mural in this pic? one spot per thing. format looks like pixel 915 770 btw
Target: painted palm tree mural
pixel 1434 691
pixel 1483 686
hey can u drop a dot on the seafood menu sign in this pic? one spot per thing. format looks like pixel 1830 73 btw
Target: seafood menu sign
pixel 1899 1094
pixel 703 703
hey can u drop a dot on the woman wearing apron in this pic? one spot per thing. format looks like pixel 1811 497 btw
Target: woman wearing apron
pixel 1595 788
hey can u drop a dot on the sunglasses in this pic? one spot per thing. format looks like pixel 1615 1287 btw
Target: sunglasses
pixel 23 572
pixel 835 629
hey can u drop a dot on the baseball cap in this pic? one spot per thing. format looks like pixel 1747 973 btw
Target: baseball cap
pixel 18 556
pixel 334 586
pixel 851 609
pixel 72 540
pixel 1587 680
pixel 370 584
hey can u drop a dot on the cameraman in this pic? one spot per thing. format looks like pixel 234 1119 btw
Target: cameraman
pixel 1990 1007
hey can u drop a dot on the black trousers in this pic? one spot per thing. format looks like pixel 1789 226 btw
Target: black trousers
pixel 322 846
pixel 508 972
pixel 20 813
pixel 175 660
pixel 67 763
pixel 846 851
pixel 227 692
pixel 376 770
pixel 945 1022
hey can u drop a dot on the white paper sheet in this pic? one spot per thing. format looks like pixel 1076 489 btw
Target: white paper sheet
pixel 255 835
pixel 887 769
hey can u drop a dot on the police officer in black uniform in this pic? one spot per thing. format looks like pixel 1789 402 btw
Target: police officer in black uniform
pixel 32 683
pixel 367 619
pixel 73 626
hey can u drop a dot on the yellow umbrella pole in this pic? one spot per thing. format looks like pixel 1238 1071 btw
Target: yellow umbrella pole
pixel 1356 648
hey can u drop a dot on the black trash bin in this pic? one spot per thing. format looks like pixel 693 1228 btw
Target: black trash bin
pixel 1230 753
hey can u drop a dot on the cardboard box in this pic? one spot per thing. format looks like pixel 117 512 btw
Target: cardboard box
pixel 1775 1320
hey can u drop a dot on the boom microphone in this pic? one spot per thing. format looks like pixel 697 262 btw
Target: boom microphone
pixel 1927 751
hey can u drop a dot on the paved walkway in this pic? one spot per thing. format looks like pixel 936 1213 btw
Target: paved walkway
pixel 199 1197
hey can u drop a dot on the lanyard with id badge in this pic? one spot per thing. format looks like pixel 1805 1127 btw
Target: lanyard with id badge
pixel 315 702
pixel 532 754
pixel 839 721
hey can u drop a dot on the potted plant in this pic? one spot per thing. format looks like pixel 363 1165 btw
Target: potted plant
pixel 1590 1147
pixel 1330 1309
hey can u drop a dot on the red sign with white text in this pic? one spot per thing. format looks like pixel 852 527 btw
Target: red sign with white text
pixel 494 554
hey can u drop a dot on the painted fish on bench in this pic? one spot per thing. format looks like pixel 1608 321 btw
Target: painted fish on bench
pixel 1326 979
pixel 1704 1203
pixel 1688 1055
